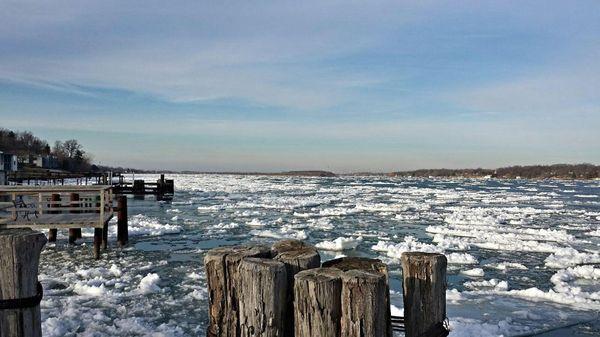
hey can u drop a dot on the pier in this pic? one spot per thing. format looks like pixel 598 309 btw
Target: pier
pixel 69 207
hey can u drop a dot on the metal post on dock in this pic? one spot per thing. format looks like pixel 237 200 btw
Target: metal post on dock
pixel 20 291
pixel 424 287
pixel 122 226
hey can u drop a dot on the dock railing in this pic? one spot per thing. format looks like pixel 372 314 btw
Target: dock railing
pixel 55 206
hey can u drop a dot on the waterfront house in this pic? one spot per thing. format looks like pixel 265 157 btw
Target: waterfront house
pixel 8 163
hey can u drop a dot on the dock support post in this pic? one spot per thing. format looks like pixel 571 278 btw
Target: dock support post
pixel 105 236
pixel 52 232
pixel 97 242
pixel 74 233
pixel 122 225
pixel 19 258
pixel 424 288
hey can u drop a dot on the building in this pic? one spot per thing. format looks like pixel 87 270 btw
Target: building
pixel 8 163
pixel 47 162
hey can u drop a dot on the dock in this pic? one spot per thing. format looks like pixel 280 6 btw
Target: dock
pixel 69 207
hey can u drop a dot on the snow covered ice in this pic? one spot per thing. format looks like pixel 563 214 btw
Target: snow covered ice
pixel 523 256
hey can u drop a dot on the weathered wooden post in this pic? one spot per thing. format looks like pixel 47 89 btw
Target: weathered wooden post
pixel 262 292
pixel 424 288
pixel 97 242
pixel 20 291
pixel 365 296
pixel 365 311
pixel 221 265
pixel 170 186
pixel 139 187
pixel 296 256
pixel 122 226
pixel 54 203
pixel 105 236
pixel 74 233
pixel 318 308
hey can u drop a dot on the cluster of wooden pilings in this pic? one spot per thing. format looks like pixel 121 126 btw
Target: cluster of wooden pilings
pixel 285 291
pixel 163 188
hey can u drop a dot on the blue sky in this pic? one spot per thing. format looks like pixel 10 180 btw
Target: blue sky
pixel 279 85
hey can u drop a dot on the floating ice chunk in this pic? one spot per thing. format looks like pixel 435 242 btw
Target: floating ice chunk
pixel 468 327
pixel 194 276
pixel 493 283
pixel 461 258
pixel 475 272
pixel 149 284
pixel 89 290
pixel 256 223
pixel 506 265
pixel 568 257
pixel 197 295
pixel 594 233
pixel 410 244
pixel 116 271
pixel 395 311
pixel 141 224
pixel 230 225
pixel 283 232
pixel 340 243
pixel 563 278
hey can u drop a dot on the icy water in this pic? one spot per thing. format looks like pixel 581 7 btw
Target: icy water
pixel 524 256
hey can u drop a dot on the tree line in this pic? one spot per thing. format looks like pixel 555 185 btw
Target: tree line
pixel 557 171
pixel 69 154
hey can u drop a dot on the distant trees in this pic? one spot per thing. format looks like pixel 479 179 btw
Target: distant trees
pixel 24 144
pixel 71 156
pixel 560 171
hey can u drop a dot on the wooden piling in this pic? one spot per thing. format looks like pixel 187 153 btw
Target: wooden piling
pixel 262 291
pixel 365 311
pixel 347 264
pixel 97 242
pixel 296 256
pixel 105 236
pixel 74 233
pixel 122 225
pixel 53 232
pixel 19 258
pixel 317 308
pixel 139 187
pixel 221 265
pixel 424 289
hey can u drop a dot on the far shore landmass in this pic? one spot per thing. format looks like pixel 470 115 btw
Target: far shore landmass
pixel 556 171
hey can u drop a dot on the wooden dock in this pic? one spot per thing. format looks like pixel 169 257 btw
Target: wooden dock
pixel 59 207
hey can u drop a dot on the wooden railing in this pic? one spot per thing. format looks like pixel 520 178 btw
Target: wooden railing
pixel 55 206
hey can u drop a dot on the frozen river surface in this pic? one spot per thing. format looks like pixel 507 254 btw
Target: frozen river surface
pixel 524 256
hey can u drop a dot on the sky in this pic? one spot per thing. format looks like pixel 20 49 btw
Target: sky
pixel 343 86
